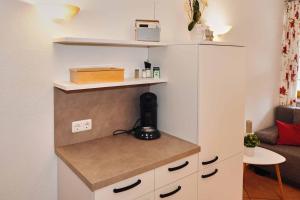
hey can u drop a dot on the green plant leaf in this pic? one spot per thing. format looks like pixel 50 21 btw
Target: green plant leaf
pixel 196 11
pixel 191 25
pixel 196 15
pixel 251 140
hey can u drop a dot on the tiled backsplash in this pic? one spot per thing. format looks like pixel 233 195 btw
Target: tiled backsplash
pixel 109 109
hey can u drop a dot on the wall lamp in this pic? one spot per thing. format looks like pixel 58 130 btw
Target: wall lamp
pixel 58 12
pixel 220 29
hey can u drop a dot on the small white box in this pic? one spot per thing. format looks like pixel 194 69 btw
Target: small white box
pixel 147 30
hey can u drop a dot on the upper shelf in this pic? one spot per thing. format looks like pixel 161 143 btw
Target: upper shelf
pixel 69 86
pixel 106 42
pixel 133 43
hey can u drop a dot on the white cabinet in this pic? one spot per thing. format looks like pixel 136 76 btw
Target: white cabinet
pixel 146 186
pixel 221 102
pixel 204 103
pixel 70 187
pixel 222 180
pixel 149 196
pixel 177 100
pixel 183 189
pixel 128 189
pixel 204 100
pixel 176 170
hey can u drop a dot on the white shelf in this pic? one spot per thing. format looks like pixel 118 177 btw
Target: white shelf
pixel 133 43
pixel 105 42
pixel 68 86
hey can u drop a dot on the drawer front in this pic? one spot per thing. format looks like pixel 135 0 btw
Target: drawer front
pixel 149 196
pixel 221 181
pixel 128 189
pixel 183 189
pixel 176 170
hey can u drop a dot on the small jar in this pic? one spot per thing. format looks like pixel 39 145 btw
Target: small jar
pixel 156 72
pixel 137 73
pixel 144 75
pixel 148 73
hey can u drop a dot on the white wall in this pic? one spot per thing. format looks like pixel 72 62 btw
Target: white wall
pixel 256 24
pixel 29 62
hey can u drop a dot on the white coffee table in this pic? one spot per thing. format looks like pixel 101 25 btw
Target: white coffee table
pixel 264 156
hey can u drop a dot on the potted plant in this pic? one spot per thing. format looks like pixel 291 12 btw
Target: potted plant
pixel 250 142
pixel 195 10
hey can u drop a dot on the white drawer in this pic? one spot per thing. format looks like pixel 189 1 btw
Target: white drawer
pixel 224 177
pixel 149 196
pixel 176 170
pixel 206 160
pixel 183 189
pixel 128 189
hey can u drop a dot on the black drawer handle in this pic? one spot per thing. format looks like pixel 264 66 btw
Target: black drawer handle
pixel 170 193
pixel 118 190
pixel 179 167
pixel 211 174
pixel 211 161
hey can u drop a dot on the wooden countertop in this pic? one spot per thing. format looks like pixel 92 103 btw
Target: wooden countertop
pixel 106 161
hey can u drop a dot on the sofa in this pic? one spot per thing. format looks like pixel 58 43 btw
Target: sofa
pixel 290 170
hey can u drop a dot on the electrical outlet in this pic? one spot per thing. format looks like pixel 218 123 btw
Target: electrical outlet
pixel 76 127
pixel 80 126
pixel 87 124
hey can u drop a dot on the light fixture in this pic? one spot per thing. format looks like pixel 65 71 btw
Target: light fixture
pixel 220 29
pixel 217 21
pixel 58 12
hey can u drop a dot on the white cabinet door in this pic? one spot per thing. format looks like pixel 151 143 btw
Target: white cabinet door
pixel 128 189
pixel 184 189
pixel 221 103
pixel 175 170
pixel 149 196
pixel 222 181
pixel 177 100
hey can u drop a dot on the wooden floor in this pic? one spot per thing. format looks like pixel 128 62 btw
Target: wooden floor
pixel 263 188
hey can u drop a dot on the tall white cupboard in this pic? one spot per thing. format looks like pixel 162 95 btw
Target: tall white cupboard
pixel 204 103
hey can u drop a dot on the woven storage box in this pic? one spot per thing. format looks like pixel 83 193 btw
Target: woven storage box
pixel 96 75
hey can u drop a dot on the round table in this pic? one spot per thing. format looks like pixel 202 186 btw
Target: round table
pixel 264 156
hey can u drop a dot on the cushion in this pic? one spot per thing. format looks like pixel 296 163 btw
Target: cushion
pixel 296 115
pixel 268 135
pixel 289 134
pixel 285 114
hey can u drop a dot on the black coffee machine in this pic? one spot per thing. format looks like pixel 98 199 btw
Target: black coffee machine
pixel 148 124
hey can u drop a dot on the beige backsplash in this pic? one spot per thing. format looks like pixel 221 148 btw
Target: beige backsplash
pixel 109 109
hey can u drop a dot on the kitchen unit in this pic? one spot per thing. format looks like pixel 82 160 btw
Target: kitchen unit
pixel 124 168
pixel 204 103
pixel 200 101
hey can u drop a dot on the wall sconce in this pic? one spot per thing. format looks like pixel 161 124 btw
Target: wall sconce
pixel 58 12
pixel 220 29
pixel 217 20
